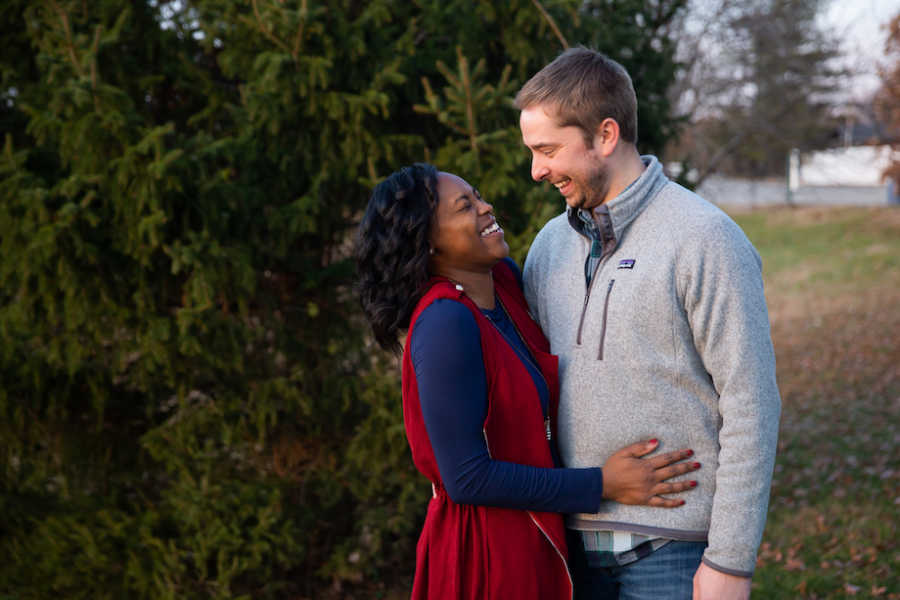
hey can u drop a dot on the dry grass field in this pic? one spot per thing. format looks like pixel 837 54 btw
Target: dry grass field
pixel 833 287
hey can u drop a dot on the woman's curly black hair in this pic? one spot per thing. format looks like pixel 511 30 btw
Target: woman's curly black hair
pixel 391 250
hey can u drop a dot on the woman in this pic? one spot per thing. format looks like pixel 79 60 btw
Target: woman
pixel 479 396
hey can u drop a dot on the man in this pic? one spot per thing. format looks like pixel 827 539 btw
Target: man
pixel 653 300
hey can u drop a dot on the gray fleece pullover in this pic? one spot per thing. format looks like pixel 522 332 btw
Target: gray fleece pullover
pixel 671 341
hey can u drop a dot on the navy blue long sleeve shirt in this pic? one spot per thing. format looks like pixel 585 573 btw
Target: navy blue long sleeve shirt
pixel 446 355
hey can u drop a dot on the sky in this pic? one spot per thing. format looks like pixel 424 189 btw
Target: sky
pixel 862 25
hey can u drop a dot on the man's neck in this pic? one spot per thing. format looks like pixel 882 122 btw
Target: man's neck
pixel 624 170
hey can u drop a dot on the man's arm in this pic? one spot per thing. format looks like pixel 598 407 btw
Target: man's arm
pixel 710 584
pixel 721 276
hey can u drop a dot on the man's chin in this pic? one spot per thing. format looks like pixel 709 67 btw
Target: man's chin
pixel 575 203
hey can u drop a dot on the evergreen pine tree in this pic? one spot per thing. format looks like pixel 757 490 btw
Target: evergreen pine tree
pixel 190 404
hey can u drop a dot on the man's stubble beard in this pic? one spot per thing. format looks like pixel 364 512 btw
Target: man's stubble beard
pixel 597 186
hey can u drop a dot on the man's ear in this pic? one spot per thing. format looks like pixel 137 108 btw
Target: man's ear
pixel 607 137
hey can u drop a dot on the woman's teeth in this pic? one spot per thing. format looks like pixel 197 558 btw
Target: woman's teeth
pixel 493 227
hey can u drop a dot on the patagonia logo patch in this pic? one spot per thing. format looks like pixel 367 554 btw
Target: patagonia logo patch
pixel 626 263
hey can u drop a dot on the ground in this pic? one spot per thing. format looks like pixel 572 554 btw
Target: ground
pixel 833 287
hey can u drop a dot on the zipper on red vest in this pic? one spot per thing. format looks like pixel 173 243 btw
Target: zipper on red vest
pixel 541 529
pixel 558 553
pixel 533 361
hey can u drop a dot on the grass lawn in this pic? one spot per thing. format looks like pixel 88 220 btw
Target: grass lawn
pixel 833 287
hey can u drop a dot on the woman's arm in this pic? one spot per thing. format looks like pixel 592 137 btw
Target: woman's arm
pixel 446 355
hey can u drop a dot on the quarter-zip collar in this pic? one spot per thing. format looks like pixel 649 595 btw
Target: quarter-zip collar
pixel 611 219
pixel 622 209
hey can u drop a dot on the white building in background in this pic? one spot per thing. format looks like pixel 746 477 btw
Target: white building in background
pixel 860 166
pixel 841 176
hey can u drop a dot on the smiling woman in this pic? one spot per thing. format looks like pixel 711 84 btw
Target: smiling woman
pixel 466 239
pixel 480 396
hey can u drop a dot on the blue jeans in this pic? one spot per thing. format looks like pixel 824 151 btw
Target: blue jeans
pixel 665 574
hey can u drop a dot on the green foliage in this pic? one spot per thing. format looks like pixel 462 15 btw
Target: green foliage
pixel 190 405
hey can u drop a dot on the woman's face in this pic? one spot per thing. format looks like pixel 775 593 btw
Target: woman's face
pixel 465 236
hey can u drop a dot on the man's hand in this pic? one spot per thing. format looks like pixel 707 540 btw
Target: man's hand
pixel 710 584
pixel 630 479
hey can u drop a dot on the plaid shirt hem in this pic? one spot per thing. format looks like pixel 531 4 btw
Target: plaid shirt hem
pixel 617 548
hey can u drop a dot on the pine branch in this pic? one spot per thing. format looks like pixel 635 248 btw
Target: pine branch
pixel 470 109
pixel 70 46
pixel 299 37
pixel 95 48
pixel 552 23
pixel 266 32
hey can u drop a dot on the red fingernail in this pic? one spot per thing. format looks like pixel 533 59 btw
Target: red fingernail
pixel 689 453
pixel 696 465
pixel 654 440
pixel 681 503
pixel 693 484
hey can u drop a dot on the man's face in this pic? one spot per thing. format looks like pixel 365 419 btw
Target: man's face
pixel 561 156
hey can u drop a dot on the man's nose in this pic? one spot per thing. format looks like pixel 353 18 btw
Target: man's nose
pixel 538 170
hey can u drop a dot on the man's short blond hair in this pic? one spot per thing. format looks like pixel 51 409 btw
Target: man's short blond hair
pixel 583 87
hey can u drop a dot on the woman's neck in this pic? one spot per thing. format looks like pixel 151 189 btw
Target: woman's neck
pixel 479 286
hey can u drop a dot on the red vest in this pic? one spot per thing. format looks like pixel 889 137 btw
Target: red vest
pixel 469 552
